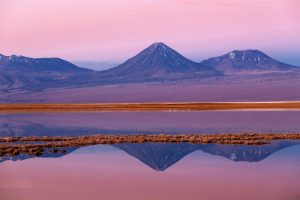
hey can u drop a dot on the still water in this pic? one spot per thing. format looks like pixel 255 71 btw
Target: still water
pixel 149 170
pixel 157 171
pixel 148 122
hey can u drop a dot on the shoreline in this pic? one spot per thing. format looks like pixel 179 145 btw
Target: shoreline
pixel 13 146
pixel 189 106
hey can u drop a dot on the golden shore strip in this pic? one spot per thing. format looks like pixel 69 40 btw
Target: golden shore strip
pixel 35 145
pixel 150 106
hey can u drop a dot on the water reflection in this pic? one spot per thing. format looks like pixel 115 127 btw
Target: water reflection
pixel 129 171
pixel 161 156
pixel 148 122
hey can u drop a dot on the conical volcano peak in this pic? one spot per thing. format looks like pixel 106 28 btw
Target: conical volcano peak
pixel 159 46
pixel 161 49
pixel 160 62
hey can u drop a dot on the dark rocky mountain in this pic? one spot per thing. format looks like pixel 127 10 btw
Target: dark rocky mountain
pixel 19 72
pixel 243 61
pixel 159 62
pixel 25 64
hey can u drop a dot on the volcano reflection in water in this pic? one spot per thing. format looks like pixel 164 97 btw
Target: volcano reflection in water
pixel 160 156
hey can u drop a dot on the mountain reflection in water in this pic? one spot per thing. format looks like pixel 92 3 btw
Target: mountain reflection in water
pixel 160 156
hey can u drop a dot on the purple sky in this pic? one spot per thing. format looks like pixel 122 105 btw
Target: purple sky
pixel 114 30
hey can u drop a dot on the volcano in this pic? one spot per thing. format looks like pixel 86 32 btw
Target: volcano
pixel 159 61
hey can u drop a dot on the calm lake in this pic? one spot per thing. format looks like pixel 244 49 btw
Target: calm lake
pixel 80 123
pixel 151 170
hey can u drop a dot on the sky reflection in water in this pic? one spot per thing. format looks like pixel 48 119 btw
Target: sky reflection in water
pixel 154 171
pixel 106 172
pixel 148 122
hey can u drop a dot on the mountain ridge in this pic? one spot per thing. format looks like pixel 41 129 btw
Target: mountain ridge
pixel 156 63
pixel 26 73
pixel 28 64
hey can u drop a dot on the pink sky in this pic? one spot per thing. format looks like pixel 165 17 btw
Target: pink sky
pixel 114 30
